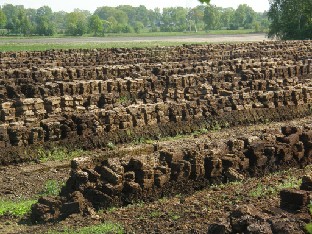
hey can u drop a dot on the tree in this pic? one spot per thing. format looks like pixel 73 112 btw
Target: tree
pixel 244 16
pixel 3 19
pixel 212 17
pixel 174 19
pixel 11 13
pixel 226 17
pixel 95 24
pixel 196 17
pixel 138 26
pixel 290 19
pixel 25 25
pixel 76 23
pixel 44 20
pixel 205 1
pixel 59 20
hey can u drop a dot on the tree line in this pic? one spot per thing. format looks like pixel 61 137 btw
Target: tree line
pixel 18 20
pixel 290 19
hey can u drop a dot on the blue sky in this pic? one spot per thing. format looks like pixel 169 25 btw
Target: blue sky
pixel 91 5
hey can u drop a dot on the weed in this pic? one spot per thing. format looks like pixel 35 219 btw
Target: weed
pixel 111 209
pixel 122 99
pixel 140 140
pixel 58 154
pixel 258 191
pixel 129 133
pixel 291 182
pixel 140 204
pixel 308 227
pixel 111 145
pixel 155 214
pixel 106 227
pixel 263 191
pixel 149 141
pixel 203 131
pixel 179 195
pixel 174 216
pixel 52 188
pixel 16 208
pixel 215 126
pixel 163 199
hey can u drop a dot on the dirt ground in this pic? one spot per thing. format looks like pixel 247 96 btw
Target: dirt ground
pixel 192 38
pixel 178 214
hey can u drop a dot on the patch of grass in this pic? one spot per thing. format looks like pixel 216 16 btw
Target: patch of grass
pixel 123 99
pixel 138 141
pixel 155 214
pixel 58 154
pixel 52 188
pixel 16 208
pixel 163 199
pixel 111 145
pixel 142 140
pixel 108 210
pixel 91 45
pixel 264 191
pixel 174 216
pixel 103 228
pixel 259 191
pixel 215 126
pixel 139 204
pixel 308 227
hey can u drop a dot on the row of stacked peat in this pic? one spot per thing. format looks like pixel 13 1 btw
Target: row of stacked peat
pixel 175 167
pixel 88 98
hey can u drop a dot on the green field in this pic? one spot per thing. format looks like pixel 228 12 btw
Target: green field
pixel 141 40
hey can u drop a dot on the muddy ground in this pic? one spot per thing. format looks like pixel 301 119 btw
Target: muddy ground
pixel 178 214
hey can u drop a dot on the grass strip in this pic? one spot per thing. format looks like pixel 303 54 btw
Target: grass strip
pixel 15 208
pixel 91 45
pixel 103 228
pixel 58 154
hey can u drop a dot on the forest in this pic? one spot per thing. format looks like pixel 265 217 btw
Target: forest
pixel 20 21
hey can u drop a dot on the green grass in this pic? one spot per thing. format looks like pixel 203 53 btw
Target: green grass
pixel 20 208
pixel 52 188
pixel 16 208
pixel 103 228
pixel 58 154
pixel 111 145
pixel 309 228
pixel 174 216
pixel 155 214
pixel 91 45
pixel 264 191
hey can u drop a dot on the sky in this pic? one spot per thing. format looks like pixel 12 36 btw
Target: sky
pixel 91 5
